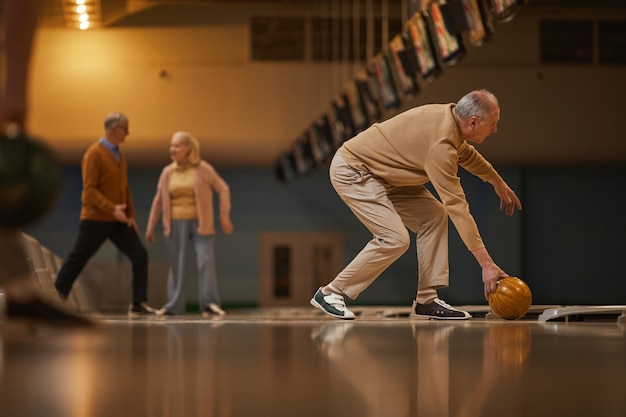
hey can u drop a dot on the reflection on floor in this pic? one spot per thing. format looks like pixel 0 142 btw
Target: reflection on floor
pixel 297 363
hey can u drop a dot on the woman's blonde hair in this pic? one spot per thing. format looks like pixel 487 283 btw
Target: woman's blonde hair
pixel 194 146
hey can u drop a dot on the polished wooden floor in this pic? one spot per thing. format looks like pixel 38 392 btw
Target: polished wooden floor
pixel 298 363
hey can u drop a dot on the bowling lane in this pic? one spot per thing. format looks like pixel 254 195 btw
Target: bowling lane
pixel 270 365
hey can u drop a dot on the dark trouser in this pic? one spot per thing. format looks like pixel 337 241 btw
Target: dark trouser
pixel 91 236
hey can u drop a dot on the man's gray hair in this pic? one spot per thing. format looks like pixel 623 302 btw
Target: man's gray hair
pixel 477 103
pixel 113 118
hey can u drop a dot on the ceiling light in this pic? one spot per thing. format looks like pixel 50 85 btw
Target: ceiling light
pixel 82 14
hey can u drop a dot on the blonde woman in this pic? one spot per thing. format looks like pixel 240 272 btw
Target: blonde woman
pixel 184 201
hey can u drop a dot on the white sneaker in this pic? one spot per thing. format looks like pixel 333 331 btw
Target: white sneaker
pixel 213 310
pixel 141 309
pixel 163 312
pixel 332 304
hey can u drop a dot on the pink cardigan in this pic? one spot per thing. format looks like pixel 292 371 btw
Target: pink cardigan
pixel 207 180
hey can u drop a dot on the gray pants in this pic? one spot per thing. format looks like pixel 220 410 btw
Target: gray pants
pixel 387 212
pixel 182 233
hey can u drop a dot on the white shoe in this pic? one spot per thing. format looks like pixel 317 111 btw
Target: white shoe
pixel 161 312
pixel 140 309
pixel 332 304
pixel 213 310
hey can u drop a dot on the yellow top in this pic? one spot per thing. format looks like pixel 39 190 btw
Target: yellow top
pixel 182 193
pixel 207 181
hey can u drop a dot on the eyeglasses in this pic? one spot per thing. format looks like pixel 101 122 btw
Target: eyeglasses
pixel 124 128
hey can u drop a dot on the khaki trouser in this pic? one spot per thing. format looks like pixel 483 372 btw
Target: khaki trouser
pixel 387 212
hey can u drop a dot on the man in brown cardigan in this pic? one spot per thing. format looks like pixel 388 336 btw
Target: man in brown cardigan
pixel 108 213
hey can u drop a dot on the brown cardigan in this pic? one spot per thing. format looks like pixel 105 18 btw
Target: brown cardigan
pixel 207 180
pixel 105 184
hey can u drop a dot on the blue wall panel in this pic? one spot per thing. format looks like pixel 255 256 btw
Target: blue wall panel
pixel 567 242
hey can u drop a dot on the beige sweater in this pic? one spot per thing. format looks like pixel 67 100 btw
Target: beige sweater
pixel 418 146
pixel 206 182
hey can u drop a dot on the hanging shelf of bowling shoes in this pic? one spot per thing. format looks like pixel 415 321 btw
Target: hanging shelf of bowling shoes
pixel 437 34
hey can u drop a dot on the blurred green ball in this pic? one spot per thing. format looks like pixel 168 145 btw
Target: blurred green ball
pixel 30 180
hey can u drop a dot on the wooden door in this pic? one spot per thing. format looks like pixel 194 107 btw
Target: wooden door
pixel 295 264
